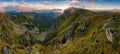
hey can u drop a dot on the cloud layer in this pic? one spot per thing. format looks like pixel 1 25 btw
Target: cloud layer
pixel 22 7
pixel 33 5
pixel 75 3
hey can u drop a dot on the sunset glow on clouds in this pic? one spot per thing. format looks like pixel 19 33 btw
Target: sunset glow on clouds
pixel 31 5
pixel 1 10
pixel 26 7
pixel 75 3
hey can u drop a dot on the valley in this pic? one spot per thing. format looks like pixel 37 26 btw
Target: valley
pixel 76 31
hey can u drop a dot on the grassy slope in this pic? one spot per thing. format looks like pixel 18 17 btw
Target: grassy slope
pixel 9 34
pixel 93 40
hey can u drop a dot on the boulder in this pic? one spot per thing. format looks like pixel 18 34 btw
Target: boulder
pixel 6 50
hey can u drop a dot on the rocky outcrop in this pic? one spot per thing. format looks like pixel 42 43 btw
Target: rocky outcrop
pixel 6 50
pixel 42 36
pixel 27 39
pixel 70 32
pixel 111 34
pixel 68 41
pixel 82 28
pixel 66 37
pixel 29 49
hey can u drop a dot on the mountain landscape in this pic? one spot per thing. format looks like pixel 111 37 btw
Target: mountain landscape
pixel 40 29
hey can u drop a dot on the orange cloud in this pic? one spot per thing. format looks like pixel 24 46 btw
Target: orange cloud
pixel 105 9
pixel 2 10
pixel 93 3
pixel 41 7
pixel 22 7
pixel 76 3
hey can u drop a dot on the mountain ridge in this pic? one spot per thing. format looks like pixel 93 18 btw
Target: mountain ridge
pixel 86 30
pixel 75 31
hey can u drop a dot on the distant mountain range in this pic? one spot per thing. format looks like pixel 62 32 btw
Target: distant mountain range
pixel 22 7
pixel 107 10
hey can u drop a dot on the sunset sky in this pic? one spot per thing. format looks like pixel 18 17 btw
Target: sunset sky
pixel 30 5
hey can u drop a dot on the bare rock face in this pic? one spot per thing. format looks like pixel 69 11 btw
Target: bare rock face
pixel 111 34
pixel 66 37
pixel 70 32
pixel 27 39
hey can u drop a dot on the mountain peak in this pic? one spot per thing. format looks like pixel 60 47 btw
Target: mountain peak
pixel 73 9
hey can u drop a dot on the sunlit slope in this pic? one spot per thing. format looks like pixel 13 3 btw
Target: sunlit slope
pixel 86 32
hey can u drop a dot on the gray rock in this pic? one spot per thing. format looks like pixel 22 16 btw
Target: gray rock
pixel 68 41
pixel 29 49
pixel 36 52
pixel 56 52
pixel 69 32
pixel 111 34
pixel 5 50
pixel 83 28
pixel 66 37
pixel 42 36
pixel 27 39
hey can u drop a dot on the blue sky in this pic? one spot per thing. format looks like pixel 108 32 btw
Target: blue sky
pixel 63 4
